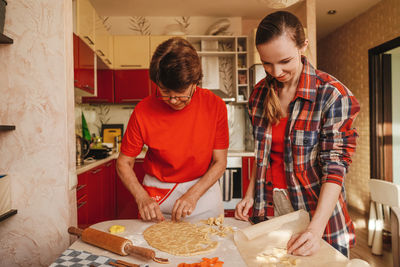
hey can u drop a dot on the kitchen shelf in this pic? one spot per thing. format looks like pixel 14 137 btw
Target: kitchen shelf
pixel 7 214
pixel 5 40
pixel 7 127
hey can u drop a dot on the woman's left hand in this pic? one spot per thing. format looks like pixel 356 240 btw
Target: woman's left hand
pixel 183 207
pixel 304 244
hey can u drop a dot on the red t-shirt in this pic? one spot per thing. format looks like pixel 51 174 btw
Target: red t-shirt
pixel 180 142
pixel 277 148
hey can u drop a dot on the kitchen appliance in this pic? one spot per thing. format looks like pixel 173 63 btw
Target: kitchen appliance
pixel 231 183
pixel 82 149
pixel 112 133
pixel 99 152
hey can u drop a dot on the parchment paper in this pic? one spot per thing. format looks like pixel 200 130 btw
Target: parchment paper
pixel 275 233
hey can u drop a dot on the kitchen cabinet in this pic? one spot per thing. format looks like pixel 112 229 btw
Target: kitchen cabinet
pixel 247 168
pixel 83 66
pixel 131 86
pixel 103 42
pixel 131 52
pixel 126 204
pixel 105 87
pixel 224 61
pixel 85 21
pixel 96 195
pixel 109 190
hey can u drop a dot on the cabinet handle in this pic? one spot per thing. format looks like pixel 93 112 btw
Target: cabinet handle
pixel 75 81
pixel 88 87
pixel 98 99
pixel 96 171
pixel 130 65
pixel 101 52
pixel 90 40
pixel 82 204
pixel 80 187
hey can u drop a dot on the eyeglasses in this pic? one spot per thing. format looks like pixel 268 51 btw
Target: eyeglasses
pixel 182 98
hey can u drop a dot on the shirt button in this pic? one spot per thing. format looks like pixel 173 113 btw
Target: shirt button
pixel 269 183
pixel 270 203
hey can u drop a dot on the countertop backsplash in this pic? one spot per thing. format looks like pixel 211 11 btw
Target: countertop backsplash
pixel 240 133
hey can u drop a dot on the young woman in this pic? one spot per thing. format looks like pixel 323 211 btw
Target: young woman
pixel 302 122
pixel 186 130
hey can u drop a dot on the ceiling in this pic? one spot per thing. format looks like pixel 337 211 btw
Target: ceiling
pixel 249 9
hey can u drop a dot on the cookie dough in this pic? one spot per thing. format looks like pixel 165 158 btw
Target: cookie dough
pixel 179 238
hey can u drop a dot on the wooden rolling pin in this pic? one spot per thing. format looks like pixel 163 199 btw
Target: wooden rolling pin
pixel 114 243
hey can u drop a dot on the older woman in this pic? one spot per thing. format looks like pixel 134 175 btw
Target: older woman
pixel 185 128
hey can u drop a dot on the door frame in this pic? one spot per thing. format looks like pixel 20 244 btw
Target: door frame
pixel 380 114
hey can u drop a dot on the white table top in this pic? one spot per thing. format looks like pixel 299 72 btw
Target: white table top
pixel 226 251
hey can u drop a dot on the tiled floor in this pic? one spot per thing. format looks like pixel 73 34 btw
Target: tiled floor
pixel 362 250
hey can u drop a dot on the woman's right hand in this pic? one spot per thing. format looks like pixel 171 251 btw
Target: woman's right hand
pixel 243 207
pixel 149 209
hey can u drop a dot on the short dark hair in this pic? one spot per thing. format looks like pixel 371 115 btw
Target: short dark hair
pixel 278 23
pixel 175 65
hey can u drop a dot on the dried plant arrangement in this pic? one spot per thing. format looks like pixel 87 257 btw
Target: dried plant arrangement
pixel 140 24
pixel 103 112
pixel 184 22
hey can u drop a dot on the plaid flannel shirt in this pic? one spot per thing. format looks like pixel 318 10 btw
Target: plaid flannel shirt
pixel 319 142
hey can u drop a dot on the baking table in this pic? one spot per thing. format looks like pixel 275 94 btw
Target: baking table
pixel 226 251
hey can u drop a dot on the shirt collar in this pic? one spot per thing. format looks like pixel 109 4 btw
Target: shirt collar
pixel 307 86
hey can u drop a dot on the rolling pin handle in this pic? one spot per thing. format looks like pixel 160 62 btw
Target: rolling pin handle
pixel 144 252
pixel 75 231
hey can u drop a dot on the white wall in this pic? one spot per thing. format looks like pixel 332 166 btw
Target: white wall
pixel 36 88
pixel 396 116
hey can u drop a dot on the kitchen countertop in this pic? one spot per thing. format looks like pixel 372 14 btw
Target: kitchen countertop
pixel 226 251
pixel 93 164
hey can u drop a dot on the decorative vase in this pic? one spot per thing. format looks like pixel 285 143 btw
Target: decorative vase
pixel 3 4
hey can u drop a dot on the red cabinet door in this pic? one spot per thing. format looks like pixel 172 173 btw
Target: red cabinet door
pixel 131 86
pixel 83 65
pixel 95 185
pixel 126 204
pixel 247 168
pixel 82 203
pixel 109 191
pixel 105 88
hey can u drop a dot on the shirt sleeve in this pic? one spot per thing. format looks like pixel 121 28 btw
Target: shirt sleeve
pixel 222 131
pixel 338 138
pixel 132 143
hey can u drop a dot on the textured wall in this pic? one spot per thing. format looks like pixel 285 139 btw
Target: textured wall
pixel 344 54
pixel 36 88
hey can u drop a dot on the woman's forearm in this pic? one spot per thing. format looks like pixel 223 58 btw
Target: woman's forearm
pixel 128 176
pixel 327 201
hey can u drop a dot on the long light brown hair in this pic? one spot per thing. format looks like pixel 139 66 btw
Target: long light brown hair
pixel 271 27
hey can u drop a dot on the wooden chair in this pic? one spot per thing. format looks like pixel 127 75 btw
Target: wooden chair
pixel 384 210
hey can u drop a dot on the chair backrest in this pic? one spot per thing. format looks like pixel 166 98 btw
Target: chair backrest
pixel 385 192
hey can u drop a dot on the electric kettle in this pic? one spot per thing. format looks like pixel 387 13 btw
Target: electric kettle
pixel 82 149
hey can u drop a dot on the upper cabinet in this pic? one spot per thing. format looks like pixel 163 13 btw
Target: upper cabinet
pixel 84 76
pixel 103 44
pixel 131 52
pixel 85 21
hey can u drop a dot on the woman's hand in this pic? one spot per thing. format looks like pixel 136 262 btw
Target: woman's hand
pixel 243 207
pixel 149 209
pixel 183 207
pixel 304 244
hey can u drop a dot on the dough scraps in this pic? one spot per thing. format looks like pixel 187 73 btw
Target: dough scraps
pixel 276 257
pixel 179 238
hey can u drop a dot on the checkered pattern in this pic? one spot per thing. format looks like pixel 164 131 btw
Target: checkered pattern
pixel 76 258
